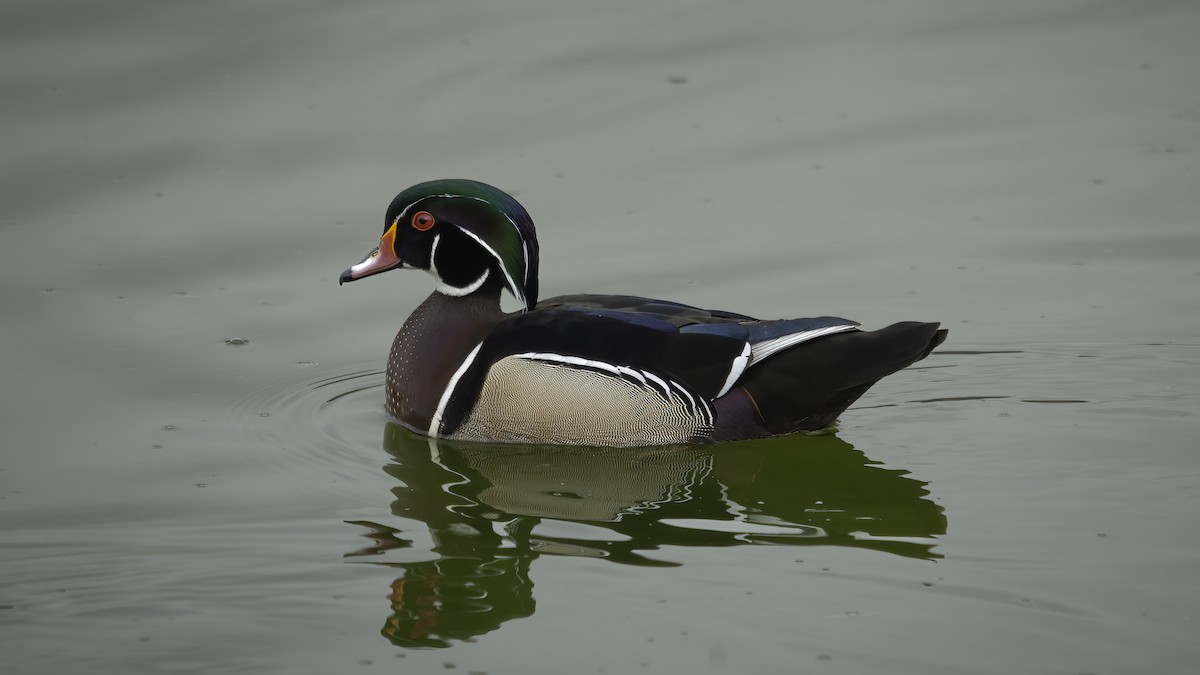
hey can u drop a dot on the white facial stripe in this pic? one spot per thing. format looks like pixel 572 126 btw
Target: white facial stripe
pixel 404 211
pixel 433 256
pixel 516 290
pixel 445 288
pixel 512 285
pixel 454 291
pixel 524 253
pixel 435 423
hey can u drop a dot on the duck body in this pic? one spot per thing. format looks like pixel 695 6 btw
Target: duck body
pixel 607 370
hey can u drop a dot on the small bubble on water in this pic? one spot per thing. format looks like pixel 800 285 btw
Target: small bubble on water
pixel 169 427
pixel 237 342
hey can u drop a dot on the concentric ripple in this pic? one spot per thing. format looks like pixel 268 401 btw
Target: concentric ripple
pixel 335 420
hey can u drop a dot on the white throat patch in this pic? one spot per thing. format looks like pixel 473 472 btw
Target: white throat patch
pixel 445 288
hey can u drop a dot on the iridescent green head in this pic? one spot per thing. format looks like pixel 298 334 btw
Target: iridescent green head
pixel 467 234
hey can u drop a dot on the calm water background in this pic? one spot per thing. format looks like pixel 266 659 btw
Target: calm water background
pixel 181 178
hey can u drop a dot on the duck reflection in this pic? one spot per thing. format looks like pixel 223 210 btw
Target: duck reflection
pixel 491 510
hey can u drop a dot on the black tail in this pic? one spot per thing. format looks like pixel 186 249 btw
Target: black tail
pixel 807 387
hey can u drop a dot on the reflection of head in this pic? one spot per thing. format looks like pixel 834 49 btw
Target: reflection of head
pixel 457 599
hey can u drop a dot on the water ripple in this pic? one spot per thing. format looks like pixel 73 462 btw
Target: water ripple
pixel 334 421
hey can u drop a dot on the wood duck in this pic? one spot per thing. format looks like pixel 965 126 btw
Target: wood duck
pixel 601 370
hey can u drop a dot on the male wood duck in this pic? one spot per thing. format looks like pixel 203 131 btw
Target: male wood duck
pixel 608 370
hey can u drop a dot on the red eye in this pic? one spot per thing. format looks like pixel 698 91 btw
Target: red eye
pixel 423 220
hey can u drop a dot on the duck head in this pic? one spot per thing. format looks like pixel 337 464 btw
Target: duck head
pixel 468 235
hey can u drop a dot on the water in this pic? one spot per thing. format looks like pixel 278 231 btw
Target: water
pixel 196 474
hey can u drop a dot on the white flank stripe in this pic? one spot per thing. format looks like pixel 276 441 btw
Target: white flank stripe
pixel 666 389
pixel 740 362
pixel 573 360
pixel 761 350
pixel 690 400
pixel 435 424
pixel 671 390
pixel 633 373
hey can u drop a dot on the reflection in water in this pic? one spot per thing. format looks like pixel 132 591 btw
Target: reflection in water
pixel 491 510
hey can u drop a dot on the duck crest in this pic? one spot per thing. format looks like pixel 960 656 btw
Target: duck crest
pixel 497 223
